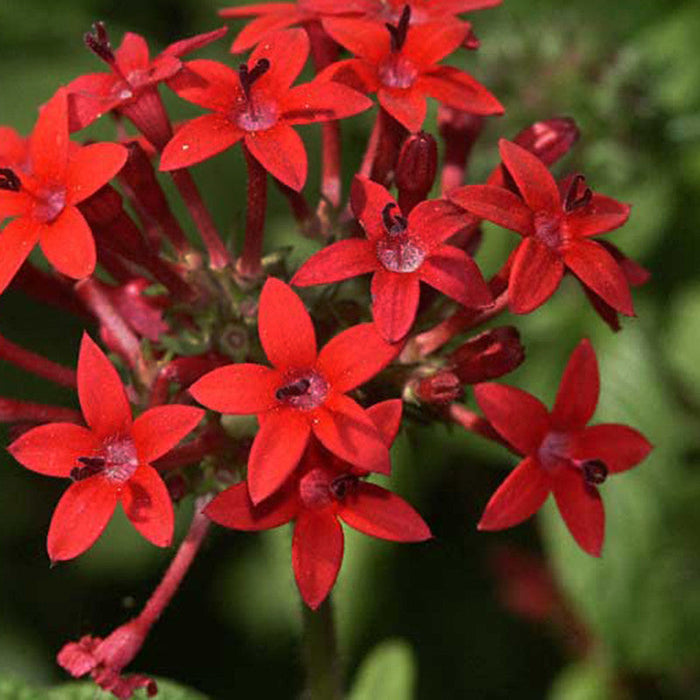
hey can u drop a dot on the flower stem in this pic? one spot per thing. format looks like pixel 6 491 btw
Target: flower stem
pixel 474 423
pixel 390 138
pixel 37 364
pixel 14 411
pixel 249 264
pixel 323 681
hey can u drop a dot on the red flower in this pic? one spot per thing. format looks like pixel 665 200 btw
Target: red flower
pixel 557 226
pixel 303 393
pixel 325 491
pixel 109 461
pixel 257 105
pixel 562 453
pixel 43 197
pixel 133 78
pixel 401 253
pixel 400 63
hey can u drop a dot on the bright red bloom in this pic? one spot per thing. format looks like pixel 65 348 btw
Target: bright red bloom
pixel 400 64
pixel 43 197
pixel 14 150
pixel 325 492
pixel 563 455
pixel 257 105
pixel 304 392
pixel 131 86
pixel 556 224
pixel 401 252
pixel 109 461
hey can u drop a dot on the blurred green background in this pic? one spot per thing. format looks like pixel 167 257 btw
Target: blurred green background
pixel 627 626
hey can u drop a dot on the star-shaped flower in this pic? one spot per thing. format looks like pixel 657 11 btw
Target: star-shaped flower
pixel 258 106
pixel 44 195
pixel 400 252
pixel 109 461
pixel 557 225
pixel 400 63
pixel 325 492
pixel 303 393
pixel 563 455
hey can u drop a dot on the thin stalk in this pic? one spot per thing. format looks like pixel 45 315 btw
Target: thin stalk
pixel 323 678
pixel 37 364
pixel 250 262
pixel 391 136
pixel 474 423
pixel 15 411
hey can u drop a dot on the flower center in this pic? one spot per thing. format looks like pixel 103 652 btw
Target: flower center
pixel 49 202
pixel 9 180
pixel 548 230
pixel 397 251
pixel 254 114
pixel 397 72
pixel 398 31
pixel 553 450
pixel 320 488
pixel 578 195
pixel 117 461
pixel 304 392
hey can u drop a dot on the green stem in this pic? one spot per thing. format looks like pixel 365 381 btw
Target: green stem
pixel 323 681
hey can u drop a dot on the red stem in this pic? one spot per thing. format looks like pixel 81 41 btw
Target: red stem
pixel 474 423
pixel 250 263
pixel 195 451
pixel 15 411
pixel 47 289
pixel 391 136
pixel 37 364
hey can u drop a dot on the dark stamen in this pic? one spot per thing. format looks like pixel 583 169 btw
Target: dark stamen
pixel 595 471
pixel 93 465
pixel 573 200
pixel 9 180
pixel 395 224
pixel 398 33
pixel 292 390
pixel 340 486
pixel 98 42
pixel 248 77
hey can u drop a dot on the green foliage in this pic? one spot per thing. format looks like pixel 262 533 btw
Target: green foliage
pixel 388 672
pixel 582 681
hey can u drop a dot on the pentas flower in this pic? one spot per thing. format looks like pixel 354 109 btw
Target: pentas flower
pixel 14 149
pixel 401 253
pixel 303 393
pixel 131 85
pixel 563 455
pixel 109 461
pixel 400 63
pixel 43 196
pixel 258 106
pixel 325 492
pixel 557 225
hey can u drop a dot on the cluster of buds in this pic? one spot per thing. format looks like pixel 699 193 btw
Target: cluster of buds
pixel 193 326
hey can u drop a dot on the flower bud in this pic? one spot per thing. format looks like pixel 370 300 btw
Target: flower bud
pixel 549 139
pixel 415 172
pixel 489 355
pixel 441 388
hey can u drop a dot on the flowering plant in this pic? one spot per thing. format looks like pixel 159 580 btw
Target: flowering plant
pixel 212 343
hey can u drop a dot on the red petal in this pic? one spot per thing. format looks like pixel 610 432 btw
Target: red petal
pixel 92 166
pixel 48 144
pixel 344 428
pixel 89 97
pixel 582 509
pixel 454 273
pixel 159 429
pixel 101 392
pixel 259 28
pixel 457 89
pixel 386 415
pixel 276 451
pixel 368 200
pixel 618 446
pixel 281 152
pixel 287 52
pixel 597 269
pixel 238 389
pixel 233 508
pixel 354 356
pixel 365 39
pixel 80 517
pixel 426 44
pixel 394 302
pixel 601 215
pixel 436 220
pixel 192 43
pixel 518 416
pixel 260 8
pixel 338 261
pixel 14 203
pixel 521 495
pixel 321 101
pixel 198 140
pixel 495 204
pixel 407 106
pixel 68 244
pixel 16 242
pixel 355 73
pixel 54 448
pixel 284 325
pixel 147 504
pixel 380 513
pixel 578 392
pixel 534 181
pixel 317 553
pixel 534 277
pixel 132 54
pixel 209 84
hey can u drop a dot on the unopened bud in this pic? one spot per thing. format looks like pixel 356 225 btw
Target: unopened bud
pixel 441 388
pixel 549 139
pixel 415 172
pixel 489 355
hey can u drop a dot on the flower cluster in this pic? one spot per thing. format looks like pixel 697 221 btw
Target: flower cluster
pixel 190 327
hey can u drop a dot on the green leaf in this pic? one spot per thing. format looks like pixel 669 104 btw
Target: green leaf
pixel 388 672
pixel 582 681
pixel 15 689
pixel 682 340
pixel 87 690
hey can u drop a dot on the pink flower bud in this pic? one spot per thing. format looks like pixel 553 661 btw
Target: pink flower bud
pixel 415 172
pixel 441 388
pixel 490 354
